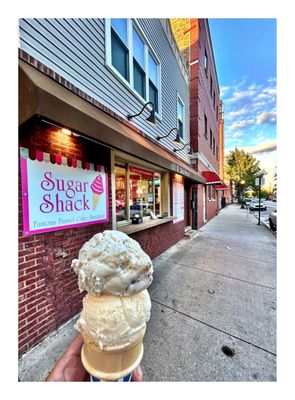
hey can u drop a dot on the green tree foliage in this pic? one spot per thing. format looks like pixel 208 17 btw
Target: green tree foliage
pixel 241 166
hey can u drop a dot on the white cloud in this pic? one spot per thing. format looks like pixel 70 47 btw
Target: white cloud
pixel 266 117
pixel 234 114
pixel 224 90
pixel 272 80
pixel 241 124
pixel 263 147
pixel 242 94
pixel 238 134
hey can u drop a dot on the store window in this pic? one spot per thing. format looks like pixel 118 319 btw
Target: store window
pixel 138 192
pixel 121 192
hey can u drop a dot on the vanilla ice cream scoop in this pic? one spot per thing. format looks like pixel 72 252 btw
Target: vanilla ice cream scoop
pixel 113 323
pixel 113 263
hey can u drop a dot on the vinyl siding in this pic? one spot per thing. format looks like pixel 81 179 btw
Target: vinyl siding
pixel 75 49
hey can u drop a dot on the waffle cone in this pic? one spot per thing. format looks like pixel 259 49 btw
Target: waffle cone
pixel 95 200
pixel 111 365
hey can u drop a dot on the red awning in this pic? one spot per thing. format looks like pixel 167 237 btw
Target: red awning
pixel 221 187
pixel 211 178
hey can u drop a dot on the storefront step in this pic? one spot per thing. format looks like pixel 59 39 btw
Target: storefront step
pixel 191 234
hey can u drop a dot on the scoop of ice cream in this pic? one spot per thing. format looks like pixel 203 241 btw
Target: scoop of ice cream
pixel 97 185
pixel 112 322
pixel 111 262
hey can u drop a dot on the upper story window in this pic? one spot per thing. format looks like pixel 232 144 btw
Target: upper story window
pixel 180 116
pixel 153 81
pixel 120 52
pixel 211 86
pixel 211 137
pixel 206 126
pixel 130 56
pixel 206 61
pixel 138 64
pixel 213 145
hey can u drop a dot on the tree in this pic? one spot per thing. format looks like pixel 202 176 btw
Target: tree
pixel 242 168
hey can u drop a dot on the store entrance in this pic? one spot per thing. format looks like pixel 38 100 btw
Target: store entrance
pixel 187 206
pixel 194 204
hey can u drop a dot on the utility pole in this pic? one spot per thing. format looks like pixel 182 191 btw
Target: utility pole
pixel 259 197
pixel 258 182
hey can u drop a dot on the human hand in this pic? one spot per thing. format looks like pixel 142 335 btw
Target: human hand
pixel 69 367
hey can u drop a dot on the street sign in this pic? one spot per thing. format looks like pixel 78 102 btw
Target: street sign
pixel 261 183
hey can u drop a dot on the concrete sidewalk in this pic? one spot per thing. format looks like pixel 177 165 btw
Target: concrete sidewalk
pixel 213 309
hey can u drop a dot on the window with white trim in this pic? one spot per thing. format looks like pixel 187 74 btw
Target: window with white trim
pixel 131 58
pixel 211 192
pixel 138 191
pixel 180 116
pixel 119 46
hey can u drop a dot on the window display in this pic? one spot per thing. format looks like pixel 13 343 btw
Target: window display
pixel 121 196
pixel 138 192
pixel 141 191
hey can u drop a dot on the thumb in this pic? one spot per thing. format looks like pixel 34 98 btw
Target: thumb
pixel 137 375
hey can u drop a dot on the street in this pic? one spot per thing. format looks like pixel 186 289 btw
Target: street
pixel 270 206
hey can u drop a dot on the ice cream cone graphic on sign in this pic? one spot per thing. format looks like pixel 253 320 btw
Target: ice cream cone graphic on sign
pixel 97 191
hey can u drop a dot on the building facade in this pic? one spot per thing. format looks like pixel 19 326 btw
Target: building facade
pixel 89 159
pixel 206 119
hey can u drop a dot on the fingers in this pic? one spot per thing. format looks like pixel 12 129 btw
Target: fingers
pixel 137 375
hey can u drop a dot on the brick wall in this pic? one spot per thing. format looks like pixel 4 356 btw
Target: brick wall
pixel 156 240
pixel 48 290
pixel 206 104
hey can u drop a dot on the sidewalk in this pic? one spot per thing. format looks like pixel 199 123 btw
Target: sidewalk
pixel 215 291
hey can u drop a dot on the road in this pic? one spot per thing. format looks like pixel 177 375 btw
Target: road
pixel 271 206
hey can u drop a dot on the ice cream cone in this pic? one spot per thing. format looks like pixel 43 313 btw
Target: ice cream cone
pixel 95 200
pixel 115 272
pixel 111 365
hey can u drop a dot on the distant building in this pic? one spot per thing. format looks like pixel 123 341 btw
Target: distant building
pixel 206 118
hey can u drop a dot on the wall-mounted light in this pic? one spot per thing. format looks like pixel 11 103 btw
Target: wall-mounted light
pixel 150 119
pixel 177 138
pixel 190 153
pixel 64 130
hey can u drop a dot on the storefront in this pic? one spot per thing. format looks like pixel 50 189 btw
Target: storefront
pixel 84 169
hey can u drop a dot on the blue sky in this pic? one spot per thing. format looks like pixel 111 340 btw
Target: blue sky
pixel 245 57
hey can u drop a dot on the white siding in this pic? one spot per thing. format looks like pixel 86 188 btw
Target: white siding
pixel 75 49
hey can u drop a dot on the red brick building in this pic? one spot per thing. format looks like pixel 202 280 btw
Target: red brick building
pixel 206 120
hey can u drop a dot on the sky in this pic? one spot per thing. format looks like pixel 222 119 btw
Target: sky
pixel 245 57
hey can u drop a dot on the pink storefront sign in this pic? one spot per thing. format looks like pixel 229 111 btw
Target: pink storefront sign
pixel 63 194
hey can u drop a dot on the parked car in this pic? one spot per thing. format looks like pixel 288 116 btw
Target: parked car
pixel 254 205
pixel 273 220
pixel 247 200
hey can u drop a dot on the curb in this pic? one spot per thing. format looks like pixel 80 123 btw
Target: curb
pixel 264 224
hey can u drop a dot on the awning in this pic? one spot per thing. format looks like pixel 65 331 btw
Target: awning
pixel 221 187
pixel 43 96
pixel 211 178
